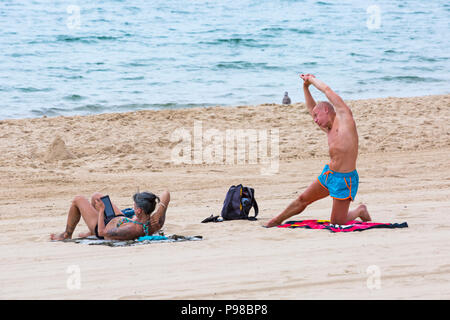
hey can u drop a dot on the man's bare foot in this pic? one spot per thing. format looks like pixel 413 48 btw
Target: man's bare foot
pixel 364 213
pixel 61 236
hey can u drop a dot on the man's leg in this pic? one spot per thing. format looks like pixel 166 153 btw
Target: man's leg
pixel 360 212
pixel 313 193
pixel 80 208
pixel 340 213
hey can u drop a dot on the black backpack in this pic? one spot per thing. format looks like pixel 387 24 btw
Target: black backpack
pixel 238 202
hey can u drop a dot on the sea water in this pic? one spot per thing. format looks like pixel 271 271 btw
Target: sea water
pixel 80 57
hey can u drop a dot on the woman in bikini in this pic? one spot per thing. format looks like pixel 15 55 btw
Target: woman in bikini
pixel 118 227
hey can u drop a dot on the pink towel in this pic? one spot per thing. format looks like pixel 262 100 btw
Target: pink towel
pixel 348 227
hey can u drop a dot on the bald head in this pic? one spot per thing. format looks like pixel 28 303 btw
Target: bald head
pixel 324 114
pixel 325 106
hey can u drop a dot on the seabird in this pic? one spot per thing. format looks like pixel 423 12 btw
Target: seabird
pixel 286 99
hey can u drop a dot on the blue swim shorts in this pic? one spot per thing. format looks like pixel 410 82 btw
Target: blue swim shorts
pixel 341 186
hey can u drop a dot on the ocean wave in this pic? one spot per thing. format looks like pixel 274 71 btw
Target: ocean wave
pixel 279 30
pixel 323 3
pixel 207 31
pixel 74 97
pixel 132 9
pixel 247 65
pixel 354 54
pixel 94 108
pixel 428 59
pixel 273 29
pixel 48 112
pixel 133 78
pixel 408 79
pixel 105 108
pixel 19 55
pixel 237 42
pixel 85 39
pixel 99 70
pixel 180 12
pixel 301 31
pixel 33 89
pixel 72 77
pixel 136 64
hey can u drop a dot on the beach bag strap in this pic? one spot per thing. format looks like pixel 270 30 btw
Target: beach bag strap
pixel 251 193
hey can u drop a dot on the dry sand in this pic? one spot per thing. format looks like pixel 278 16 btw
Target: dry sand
pixel 404 173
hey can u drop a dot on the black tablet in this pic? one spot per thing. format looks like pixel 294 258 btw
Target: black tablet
pixel 109 211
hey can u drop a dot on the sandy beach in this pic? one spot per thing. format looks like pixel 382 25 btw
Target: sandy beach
pixel 404 169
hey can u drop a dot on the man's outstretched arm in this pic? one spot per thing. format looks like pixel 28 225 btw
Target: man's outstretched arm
pixel 332 96
pixel 310 103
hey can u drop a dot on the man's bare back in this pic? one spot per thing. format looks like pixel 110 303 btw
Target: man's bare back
pixel 339 179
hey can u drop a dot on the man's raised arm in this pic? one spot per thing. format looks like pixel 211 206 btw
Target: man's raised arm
pixel 310 103
pixel 332 96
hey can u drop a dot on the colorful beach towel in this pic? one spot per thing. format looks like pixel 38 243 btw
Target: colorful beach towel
pixel 93 240
pixel 349 227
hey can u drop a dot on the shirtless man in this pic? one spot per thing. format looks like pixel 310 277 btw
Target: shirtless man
pixel 339 178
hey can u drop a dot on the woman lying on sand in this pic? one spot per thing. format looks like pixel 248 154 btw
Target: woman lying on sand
pixel 118 227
